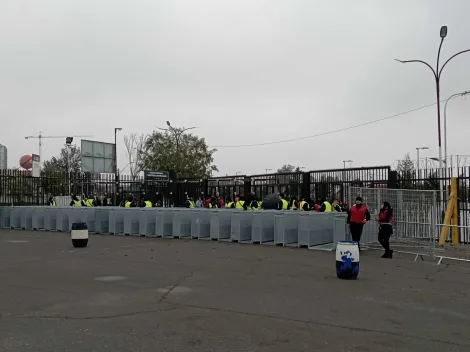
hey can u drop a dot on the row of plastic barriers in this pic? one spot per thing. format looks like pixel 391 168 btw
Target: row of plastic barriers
pixel 309 229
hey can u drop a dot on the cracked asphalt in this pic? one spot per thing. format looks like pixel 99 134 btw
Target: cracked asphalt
pixel 140 294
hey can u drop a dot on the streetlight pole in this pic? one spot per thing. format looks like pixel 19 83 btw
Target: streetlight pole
pixel 116 182
pixel 463 94
pixel 437 76
pixel 417 160
pixel 346 161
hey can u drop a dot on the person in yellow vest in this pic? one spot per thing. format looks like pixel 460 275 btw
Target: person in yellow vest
pixel 75 202
pixel 326 207
pixel 148 203
pixel 304 206
pixel 129 203
pixel 51 201
pixel 293 203
pixel 335 206
pixel 240 204
pixel 260 204
pixel 283 204
pixel 230 204
pixel 90 202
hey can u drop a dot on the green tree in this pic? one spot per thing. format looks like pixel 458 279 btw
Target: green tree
pixel 61 162
pixel 406 173
pixel 175 151
pixel 288 168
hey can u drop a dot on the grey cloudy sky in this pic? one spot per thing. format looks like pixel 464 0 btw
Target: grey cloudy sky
pixel 243 72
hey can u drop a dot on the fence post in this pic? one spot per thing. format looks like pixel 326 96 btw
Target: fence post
pixel 306 184
pixel 246 186
pixel 392 179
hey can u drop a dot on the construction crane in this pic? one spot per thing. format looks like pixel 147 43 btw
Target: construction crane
pixel 40 137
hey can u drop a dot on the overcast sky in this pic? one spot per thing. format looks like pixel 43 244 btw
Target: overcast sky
pixel 243 72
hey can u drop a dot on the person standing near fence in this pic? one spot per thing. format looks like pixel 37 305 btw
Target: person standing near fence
pixel 385 228
pixel 358 215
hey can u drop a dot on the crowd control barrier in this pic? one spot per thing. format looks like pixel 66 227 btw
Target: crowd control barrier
pixel 287 228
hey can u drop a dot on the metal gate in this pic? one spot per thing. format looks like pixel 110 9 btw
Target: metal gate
pixel 415 215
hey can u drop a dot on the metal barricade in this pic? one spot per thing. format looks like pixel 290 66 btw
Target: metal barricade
pixel 50 218
pixel 241 226
pixel 27 218
pixel 315 229
pixel 200 224
pixel 262 228
pixel 414 211
pixel 455 252
pixel 116 221
pixel 286 228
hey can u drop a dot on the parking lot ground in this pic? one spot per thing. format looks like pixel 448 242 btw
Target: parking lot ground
pixel 124 294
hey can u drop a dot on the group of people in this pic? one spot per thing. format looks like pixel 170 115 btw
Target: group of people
pixel 358 216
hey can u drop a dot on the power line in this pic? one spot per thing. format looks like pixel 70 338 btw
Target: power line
pixel 327 133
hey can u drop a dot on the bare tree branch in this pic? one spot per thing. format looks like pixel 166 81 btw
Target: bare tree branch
pixel 135 144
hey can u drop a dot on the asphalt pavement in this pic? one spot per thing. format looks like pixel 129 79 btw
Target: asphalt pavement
pixel 134 294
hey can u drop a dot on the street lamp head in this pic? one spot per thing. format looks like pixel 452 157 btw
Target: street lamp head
pixel 168 123
pixel 443 32
pixel 117 129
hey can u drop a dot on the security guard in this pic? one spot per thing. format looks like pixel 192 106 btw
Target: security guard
pixel 260 204
pixel 304 206
pixel 52 202
pixel 229 204
pixel 239 204
pixel 75 202
pixel 90 202
pixel 326 207
pixel 129 203
pixel 293 203
pixel 148 204
pixel 358 215
pixel 283 204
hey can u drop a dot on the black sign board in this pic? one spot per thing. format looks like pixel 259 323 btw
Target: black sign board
pixel 162 176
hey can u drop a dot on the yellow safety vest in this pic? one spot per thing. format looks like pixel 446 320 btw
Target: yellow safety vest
pixel 260 205
pixel 148 204
pixel 229 205
pixel 328 207
pixel 293 207
pixel 240 204
pixel 127 205
pixel 89 202
pixel 53 204
pixel 302 205
pixel 192 204
pixel 77 203
pixel 285 205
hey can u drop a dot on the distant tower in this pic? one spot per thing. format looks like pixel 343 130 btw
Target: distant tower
pixel 3 157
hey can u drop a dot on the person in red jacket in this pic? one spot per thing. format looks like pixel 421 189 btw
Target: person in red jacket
pixel 385 228
pixel 358 215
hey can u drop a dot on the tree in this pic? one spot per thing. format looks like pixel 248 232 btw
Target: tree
pixel 288 168
pixel 175 151
pixel 406 172
pixel 60 163
pixel 135 144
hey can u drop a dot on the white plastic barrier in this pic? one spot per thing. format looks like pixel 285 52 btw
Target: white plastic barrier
pixel 148 221
pixel 132 222
pixel 221 222
pixel 15 217
pixel 317 231
pixel 262 228
pixel 241 226
pixel 286 228
pixel 182 223
pixel 200 224
pixel 164 223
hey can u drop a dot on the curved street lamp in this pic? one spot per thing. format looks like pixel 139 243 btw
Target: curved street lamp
pixel 437 76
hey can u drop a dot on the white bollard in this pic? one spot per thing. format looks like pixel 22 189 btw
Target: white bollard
pixel 79 234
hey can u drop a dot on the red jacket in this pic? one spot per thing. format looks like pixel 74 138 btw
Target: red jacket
pixel 385 216
pixel 357 216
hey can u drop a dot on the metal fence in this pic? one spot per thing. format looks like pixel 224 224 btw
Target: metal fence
pixel 416 214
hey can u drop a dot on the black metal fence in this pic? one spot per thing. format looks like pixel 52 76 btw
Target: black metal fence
pixel 20 188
